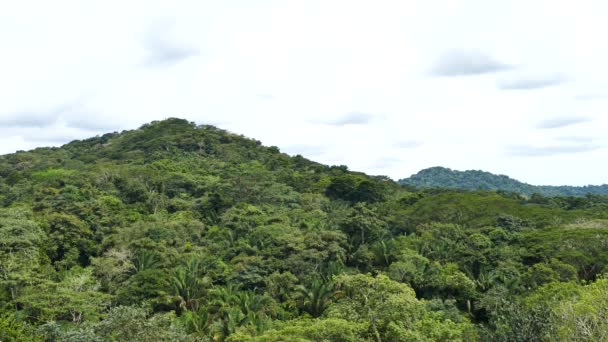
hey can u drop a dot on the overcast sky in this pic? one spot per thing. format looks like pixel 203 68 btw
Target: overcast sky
pixel 386 87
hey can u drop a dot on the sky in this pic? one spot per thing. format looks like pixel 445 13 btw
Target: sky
pixel 388 87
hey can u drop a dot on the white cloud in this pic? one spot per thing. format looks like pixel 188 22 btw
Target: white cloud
pixel 467 63
pixel 273 70
pixel 562 121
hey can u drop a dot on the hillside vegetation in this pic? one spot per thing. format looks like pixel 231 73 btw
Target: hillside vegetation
pixel 180 232
pixel 441 177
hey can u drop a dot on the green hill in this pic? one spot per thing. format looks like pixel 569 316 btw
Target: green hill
pixel 475 180
pixel 184 232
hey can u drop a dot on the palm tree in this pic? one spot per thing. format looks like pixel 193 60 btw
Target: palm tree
pixel 188 284
pixel 197 322
pixel 145 260
pixel 252 304
pixel 383 252
pixel 230 320
pixel 233 309
pixel 223 297
pixel 329 270
pixel 317 297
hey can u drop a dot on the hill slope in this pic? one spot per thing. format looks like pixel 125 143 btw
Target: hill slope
pixel 474 180
pixel 181 232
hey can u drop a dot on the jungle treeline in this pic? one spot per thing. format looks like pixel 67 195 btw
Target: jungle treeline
pixel 184 232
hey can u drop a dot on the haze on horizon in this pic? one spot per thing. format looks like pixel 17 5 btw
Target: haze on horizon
pixel 392 87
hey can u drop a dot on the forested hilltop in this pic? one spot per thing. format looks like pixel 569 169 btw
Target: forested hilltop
pixel 180 232
pixel 441 177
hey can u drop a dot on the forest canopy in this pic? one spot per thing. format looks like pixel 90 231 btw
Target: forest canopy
pixel 441 177
pixel 184 232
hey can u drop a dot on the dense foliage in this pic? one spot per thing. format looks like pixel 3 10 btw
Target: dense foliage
pixel 441 177
pixel 179 232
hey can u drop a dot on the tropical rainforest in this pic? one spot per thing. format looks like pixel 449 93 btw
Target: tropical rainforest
pixel 184 232
pixel 441 177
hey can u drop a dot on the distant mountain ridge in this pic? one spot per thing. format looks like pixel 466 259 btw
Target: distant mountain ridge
pixel 475 179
